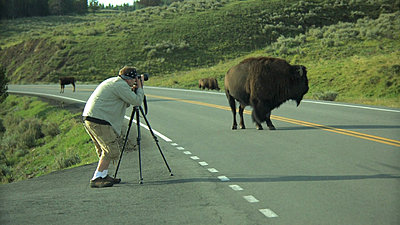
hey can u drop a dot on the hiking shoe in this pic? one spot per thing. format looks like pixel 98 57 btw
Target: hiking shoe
pixel 113 180
pixel 100 183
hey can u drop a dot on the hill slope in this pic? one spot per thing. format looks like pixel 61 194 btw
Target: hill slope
pixel 200 36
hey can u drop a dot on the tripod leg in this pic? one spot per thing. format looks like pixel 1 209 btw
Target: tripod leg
pixel 126 140
pixel 154 137
pixel 138 144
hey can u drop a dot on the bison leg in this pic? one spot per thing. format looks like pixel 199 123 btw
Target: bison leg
pixel 261 113
pixel 62 89
pixel 255 120
pixel 269 122
pixel 73 86
pixel 241 109
pixel 232 104
pixel 257 114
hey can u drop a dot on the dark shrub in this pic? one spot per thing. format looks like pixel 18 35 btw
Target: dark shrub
pixel 67 161
pixel 326 96
pixel 50 129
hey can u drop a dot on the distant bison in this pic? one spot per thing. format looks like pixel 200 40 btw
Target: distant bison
pixel 66 80
pixel 264 83
pixel 209 83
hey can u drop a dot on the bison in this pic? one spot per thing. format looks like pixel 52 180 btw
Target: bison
pixel 264 83
pixel 66 80
pixel 209 83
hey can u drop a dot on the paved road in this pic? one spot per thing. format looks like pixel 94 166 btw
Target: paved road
pixel 325 164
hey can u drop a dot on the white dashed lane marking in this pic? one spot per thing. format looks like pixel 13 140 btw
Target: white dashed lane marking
pixel 268 213
pixel 213 170
pixel 203 163
pixel 250 198
pixel 223 178
pixel 236 187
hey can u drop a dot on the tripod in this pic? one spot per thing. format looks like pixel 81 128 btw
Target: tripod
pixel 136 110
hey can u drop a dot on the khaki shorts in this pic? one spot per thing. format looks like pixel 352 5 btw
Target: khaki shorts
pixel 105 139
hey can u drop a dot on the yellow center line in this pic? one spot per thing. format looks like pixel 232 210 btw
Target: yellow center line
pixel 297 122
pixel 342 131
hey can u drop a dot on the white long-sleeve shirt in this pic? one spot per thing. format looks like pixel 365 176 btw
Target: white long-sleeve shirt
pixel 109 101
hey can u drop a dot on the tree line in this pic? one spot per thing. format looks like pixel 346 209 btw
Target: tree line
pixel 138 4
pixel 10 9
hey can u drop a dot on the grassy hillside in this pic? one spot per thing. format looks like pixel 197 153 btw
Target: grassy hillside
pixel 361 66
pixel 350 47
pixel 37 138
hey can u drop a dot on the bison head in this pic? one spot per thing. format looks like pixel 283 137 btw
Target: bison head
pixel 300 85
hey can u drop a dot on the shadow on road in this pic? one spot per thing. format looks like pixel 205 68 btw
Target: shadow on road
pixel 278 179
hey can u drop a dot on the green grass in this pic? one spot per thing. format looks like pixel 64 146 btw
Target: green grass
pixel 359 68
pixel 38 138
pixel 349 47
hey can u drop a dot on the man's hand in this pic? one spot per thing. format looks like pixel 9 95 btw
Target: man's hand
pixel 135 83
pixel 139 82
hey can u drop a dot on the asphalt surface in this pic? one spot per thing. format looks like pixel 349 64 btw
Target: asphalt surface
pixel 191 196
pixel 325 164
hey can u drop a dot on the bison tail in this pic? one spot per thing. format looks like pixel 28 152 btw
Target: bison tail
pixel 259 113
pixel 258 116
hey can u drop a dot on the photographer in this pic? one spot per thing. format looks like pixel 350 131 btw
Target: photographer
pixel 103 116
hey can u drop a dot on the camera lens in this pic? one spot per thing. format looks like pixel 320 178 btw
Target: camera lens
pixel 145 76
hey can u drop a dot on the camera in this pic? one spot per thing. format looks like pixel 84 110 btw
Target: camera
pixel 133 74
pixel 145 76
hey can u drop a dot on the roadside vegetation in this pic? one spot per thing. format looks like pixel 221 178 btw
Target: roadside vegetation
pixel 37 138
pixel 350 47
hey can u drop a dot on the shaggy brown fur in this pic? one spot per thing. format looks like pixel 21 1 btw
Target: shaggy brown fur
pixel 209 83
pixel 264 83
pixel 66 80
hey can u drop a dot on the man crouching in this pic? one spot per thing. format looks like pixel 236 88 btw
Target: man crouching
pixel 103 116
